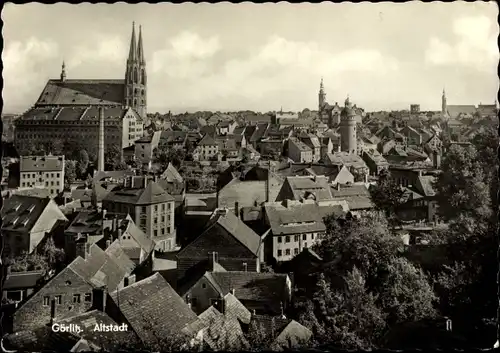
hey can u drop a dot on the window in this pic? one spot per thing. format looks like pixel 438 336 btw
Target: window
pixel 287 239
pixel 51 175
pixel 280 240
pixel 143 223
pixel 46 301
pixel 51 183
pixel 304 236
pixel 305 245
pixel 280 253
pixel 295 251
pixel 156 208
pixel 163 218
pixel 46 183
pixel 57 183
pixel 163 207
pixel 58 299
pixel 76 298
pixel 88 297
pixel 203 285
pixel 287 252
pixel 163 231
pixel 296 238
pixel 143 209
pixel 24 184
pixel 156 220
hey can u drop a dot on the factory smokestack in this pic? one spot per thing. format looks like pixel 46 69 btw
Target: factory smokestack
pixel 100 157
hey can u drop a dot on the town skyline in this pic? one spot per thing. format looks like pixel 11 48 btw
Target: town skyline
pixel 203 63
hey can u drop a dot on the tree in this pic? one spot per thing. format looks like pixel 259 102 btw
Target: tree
pixel 82 163
pixel 112 157
pixel 365 277
pixel 466 191
pixel 54 255
pixel 406 294
pixel 346 317
pixel 69 171
pixel 174 155
pixel 462 185
pixel 387 195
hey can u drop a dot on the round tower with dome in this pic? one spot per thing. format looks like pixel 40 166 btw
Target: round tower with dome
pixel 348 141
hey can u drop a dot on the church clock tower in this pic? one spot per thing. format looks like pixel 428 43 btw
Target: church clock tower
pixel 135 76
pixel 444 107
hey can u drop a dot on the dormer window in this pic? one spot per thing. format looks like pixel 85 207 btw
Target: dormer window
pixel 31 208
pixel 15 221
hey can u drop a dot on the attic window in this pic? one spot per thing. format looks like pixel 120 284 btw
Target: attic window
pixel 68 283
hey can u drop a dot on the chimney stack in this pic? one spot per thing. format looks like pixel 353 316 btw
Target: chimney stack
pixel 100 156
pixel 120 232
pixel 108 243
pixel 233 291
pixel 237 209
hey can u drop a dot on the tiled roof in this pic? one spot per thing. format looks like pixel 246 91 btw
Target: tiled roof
pixel 152 194
pixel 100 269
pixel 376 158
pixel 145 243
pixel 294 219
pixel 40 339
pixel 259 132
pixel 83 92
pixel 153 308
pixel 171 174
pixel 75 113
pixel 41 164
pixel 455 110
pixel 115 175
pixel 347 159
pixel 293 335
pixel 357 196
pixel 237 310
pixel 22 280
pixel 207 140
pixel 222 331
pixel 300 145
pixel 254 286
pixel 307 187
pixel 173 136
pixel 426 184
pixel 20 213
pixel 107 340
pixel 240 231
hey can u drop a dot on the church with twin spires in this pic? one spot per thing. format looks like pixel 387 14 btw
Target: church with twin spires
pixel 68 109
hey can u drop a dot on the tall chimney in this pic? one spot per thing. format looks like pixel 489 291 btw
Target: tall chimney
pixel 100 156
pixel 237 209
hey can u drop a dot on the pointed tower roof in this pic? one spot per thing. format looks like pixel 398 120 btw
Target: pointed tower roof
pixel 133 48
pixel 140 49
pixel 321 87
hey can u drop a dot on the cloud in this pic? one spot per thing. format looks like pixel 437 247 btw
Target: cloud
pixel 475 45
pixel 280 65
pixel 24 67
pixel 104 50
pixel 185 56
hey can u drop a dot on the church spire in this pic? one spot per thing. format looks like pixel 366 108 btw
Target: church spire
pixel 63 72
pixel 140 50
pixel 133 48
pixel 321 87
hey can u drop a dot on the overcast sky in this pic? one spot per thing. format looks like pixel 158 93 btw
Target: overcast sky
pixel 261 57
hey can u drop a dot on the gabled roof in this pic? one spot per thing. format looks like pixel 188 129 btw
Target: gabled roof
pixel 22 280
pixel 254 286
pixel 222 331
pixel 20 213
pixel 240 231
pixel 152 194
pixel 171 174
pixel 346 159
pixel 41 164
pixel 153 308
pixel 207 140
pixel 307 187
pixel 294 219
pixel 145 243
pixel 83 92
pixel 101 268
pixel 233 226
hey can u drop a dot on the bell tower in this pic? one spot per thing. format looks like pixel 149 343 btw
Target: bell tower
pixel 321 96
pixel 135 76
pixel 444 107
